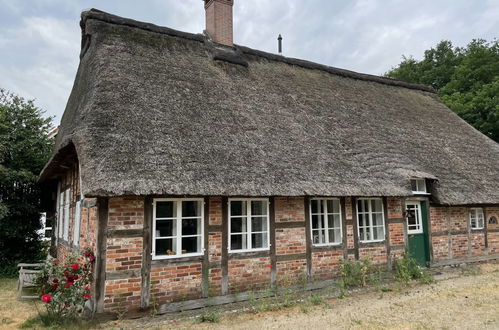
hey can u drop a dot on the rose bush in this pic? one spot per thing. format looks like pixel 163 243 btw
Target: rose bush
pixel 65 288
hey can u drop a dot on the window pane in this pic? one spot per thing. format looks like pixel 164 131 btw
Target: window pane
pixel 259 224
pixel 258 208
pixel 166 246
pixel 378 233
pixel 333 206
pixel 376 205
pixel 362 219
pixel 333 221
pixel 315 205
pixel 238 242
pixel 165 228
pixel 362 205
pixel 165 209
pixel 414 186
pixel 191 209
pixel 315 221
pixel 319 236
pixel 191 245
pixel 362 234
pixel 377 219
pixel 237 208
pixel 259 241
pixel 334 236
pixel 238 225
pixel 191 227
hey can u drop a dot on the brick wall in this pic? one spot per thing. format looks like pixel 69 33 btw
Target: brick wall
pixel 326 264
pixel 175 282
pixel 249 274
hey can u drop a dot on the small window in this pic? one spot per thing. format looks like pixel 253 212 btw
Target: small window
pixel 418 186
pixel 77 224
pixel 248 224
pixel 325 218
pixel 177 228
pixel 414 220
pixel 370 220
pixel 476 218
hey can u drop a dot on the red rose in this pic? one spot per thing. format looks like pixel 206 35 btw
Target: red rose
pixel 75 266
pixel 86 296
pixel 55 280
pixel 54 287
pixel 91 259
pixel 87 254
pixel 47 298
pixel 87 288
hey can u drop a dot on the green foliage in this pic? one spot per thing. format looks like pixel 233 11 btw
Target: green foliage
pixel 211 317
pixel 408 269
pixel 24 149
pixel 467 80
pixel 315 299
pixel 358 274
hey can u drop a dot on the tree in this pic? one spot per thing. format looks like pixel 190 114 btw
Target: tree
pixel 24 150
pixel 466 79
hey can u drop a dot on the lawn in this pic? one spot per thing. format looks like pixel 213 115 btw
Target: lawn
pixel 14 312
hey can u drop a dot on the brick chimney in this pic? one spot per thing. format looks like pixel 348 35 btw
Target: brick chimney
pixel 219 20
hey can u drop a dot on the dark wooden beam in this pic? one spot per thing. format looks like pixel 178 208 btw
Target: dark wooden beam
pixel 225 246
pixel 344 237
pixel 387 235
pixel 145 288
pixel 100 265
pixel 355 228
pixel 273 259
pixel 308 238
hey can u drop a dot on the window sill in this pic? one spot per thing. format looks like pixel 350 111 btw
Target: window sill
pixel 326 245
pixel 179 257
pixel 478 228
pixel 248 251
pixel 420 193
pixel 368 242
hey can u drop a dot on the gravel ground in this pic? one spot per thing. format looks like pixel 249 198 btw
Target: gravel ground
pixel 461 298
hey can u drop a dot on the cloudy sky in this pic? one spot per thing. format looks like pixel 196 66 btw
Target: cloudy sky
pixel 40 39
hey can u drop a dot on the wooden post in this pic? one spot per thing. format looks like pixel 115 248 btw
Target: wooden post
pixel 344 239
pixel 355 228
pixel 100 265
pixel 145 290
pixel 225 246
pixel 387 235
pixel 308 239
pixel 485 230
pixel 273 258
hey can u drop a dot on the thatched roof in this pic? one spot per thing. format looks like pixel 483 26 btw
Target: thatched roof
pixel 158 111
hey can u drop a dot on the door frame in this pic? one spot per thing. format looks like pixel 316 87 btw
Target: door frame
pixel 424 211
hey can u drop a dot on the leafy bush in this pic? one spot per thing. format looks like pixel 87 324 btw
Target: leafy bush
pixel 65 288
pixel 212 317
pixel 408 269
pixel 358 274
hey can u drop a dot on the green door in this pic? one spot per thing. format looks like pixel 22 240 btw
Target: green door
pixel 417 231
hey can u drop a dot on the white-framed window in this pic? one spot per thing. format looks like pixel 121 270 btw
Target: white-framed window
pixel 77 224
pixel 370 220
pixel 248 224
pixel 45 231
pixel 414 219
pixel 418 186
pixel 325 220
pixel 67 203
pixel 476 218
pixel 177 227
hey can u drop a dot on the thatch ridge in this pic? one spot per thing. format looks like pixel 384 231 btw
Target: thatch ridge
pixel 110 18
pixel 153 112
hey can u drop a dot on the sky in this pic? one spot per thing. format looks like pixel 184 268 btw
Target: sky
pixel 40 39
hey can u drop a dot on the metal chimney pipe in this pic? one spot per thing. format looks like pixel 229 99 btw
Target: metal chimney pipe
pixel 279 39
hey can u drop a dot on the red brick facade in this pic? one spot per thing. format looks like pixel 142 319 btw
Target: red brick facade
pixel 179 279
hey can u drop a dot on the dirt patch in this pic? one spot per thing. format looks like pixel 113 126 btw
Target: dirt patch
pixel 462 298
pixel 13 312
